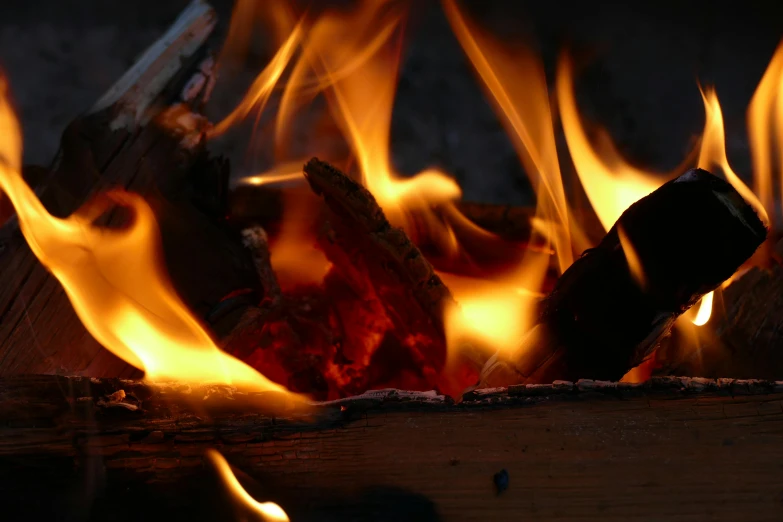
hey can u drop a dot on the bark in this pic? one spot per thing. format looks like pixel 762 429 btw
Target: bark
pixel 127 141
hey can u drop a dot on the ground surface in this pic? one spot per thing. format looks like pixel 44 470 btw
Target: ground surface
pixel 639 79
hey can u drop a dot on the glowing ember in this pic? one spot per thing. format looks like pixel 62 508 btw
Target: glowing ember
pixel 266 511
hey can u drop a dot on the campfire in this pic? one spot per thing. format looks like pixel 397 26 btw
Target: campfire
pixel 164 314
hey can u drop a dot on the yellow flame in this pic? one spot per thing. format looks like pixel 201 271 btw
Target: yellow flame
pixel 765 124
pixel 634 263
pixel 267 511
pixel 283 173
pixel 362 101
pixel 713 151
pixel 258 94
pixel 517 86
pixel 705 310
pixel 611 184
pixel 116 280
pixel 499 314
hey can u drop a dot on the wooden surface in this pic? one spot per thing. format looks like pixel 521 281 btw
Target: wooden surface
pixel 674 449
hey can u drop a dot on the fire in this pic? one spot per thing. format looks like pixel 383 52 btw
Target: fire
pixel 358 56
pixel 611 184
pixel 259 93
pixel 116 280
pixel 765 124
pixel 265 511
pixel 634 264
pixel 713 151
pixel 705 310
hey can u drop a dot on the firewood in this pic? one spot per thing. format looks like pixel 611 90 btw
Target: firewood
pixel 600 320
pixel 381 263
pixel 120 143
pixel 131 451
pixel 743 337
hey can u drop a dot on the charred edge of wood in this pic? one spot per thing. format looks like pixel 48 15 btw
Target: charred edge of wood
pixel 171 400
pixel 157 69
pixel 349 199
pixel 742 338
pixel 599 321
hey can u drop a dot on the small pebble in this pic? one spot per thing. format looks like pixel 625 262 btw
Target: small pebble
pixel 501 481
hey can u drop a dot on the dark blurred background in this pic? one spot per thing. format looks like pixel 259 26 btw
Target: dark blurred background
pixel 640 62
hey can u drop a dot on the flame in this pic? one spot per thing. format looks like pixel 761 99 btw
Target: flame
pixel 116 280
pixel 266 511
pixel 634 263
pixel 284 173
pixel 705 310
pixel 713 151
pixel 357 56
pixel 765 124
pixel 611 184
pixel 499 314
pixel 258 95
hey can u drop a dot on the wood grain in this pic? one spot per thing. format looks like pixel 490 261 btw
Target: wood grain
pixel 674 449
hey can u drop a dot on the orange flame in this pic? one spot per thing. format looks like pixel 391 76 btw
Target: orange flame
pixel 705 310
pixel 258 95
pixel 611 184
pixel 358 57
pixel 266 511
pixel 500 314
pixel 765 124
pixel 713 151
pixel 634 263
pixel 116 280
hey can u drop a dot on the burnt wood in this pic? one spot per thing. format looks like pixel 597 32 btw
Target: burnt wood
pixel 744 336
pixel 601 320
pixel 380 259
pixel 671 449
pixel 123 143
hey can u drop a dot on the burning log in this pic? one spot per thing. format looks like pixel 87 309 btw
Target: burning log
pixel 380 263
pixel 125 451
pixel 743 337
pixel 121 144
pixel 612 307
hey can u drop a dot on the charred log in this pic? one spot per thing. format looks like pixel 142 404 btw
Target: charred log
pixel 126 142
pixel 600 320
pixel 743 337
pixel 380 264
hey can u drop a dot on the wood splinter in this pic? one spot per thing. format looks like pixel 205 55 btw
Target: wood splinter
pixel 601 319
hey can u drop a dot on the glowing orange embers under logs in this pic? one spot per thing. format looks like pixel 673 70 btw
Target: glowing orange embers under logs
pixel 333 318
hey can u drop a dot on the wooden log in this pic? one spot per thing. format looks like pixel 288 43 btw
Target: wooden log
pixel 380 262
pixel 744 335
pixel 671 449
pixel 39 332
pixel 606 314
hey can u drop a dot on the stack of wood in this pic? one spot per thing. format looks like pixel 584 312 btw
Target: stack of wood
pixel 376 319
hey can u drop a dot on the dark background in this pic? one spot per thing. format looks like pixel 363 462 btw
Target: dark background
pixel 640 64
